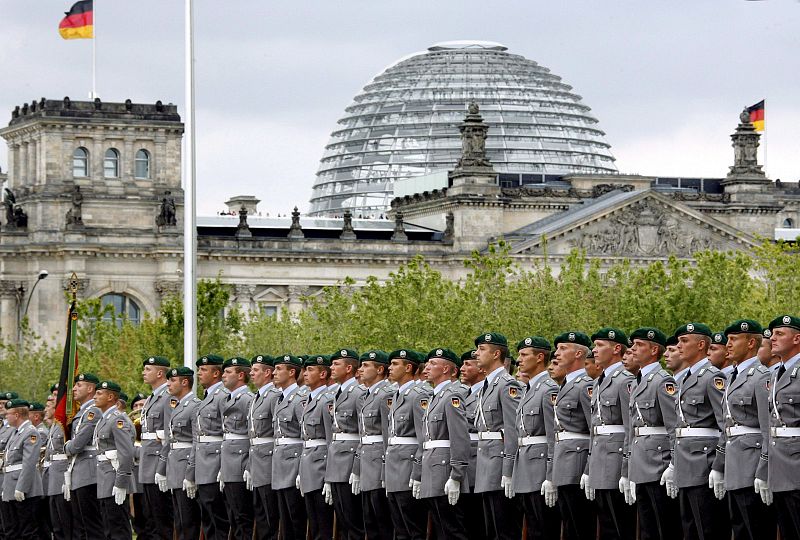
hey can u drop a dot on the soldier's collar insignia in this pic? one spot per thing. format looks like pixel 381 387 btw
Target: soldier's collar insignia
pixel 719 383
pixel 423 403
pixel 513 391
pixel 669 388
pixel 455 402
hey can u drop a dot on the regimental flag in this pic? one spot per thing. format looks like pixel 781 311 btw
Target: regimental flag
pixel 79 21
pixel 65 407
pixel 757 115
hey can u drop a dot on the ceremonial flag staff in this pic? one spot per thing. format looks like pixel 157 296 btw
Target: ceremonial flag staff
pixel 189 220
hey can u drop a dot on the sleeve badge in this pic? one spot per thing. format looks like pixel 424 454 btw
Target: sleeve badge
pixel 719 383
pixel 173 403
pixel 120 424
pixel 669 388
pixel 423 403
pixel 90 416
pixel 33 439
pixel 513 391
pixel 455 402
pixel 389 402
pixel 590 390
pixel 553 398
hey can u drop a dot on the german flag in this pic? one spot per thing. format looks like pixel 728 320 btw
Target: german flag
pixel 79 21
pixel 757 115
pixel 65 407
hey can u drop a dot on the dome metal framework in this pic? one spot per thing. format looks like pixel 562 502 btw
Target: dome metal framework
pixel 405 123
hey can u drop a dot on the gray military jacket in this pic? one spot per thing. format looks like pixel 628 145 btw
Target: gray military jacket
pixel 608 458
pixel 286 458
pixel 373 418
pixel 22 450
pixel 746 405
pixel 174 463
pixel 572 416
pixel 262 432
pixel 784 413
pixel 404 456
pixel 155 417
pixel 80 451
pixel 235 449
pixel 55 460
pixel 315 428
pixel 534 460
pixel 447 438
pixel 204 458
pixel 114 435
pixel 345 442
pixel 5 434
pixel 471 408
pixel 700 406
pixel 653 418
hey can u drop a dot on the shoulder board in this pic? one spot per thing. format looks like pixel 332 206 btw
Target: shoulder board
pixel 794 372
pixel 196 399
pixel 549 382
pixel 751 371
pixel 711 369
pixel 507 376
pixel 650 377
pixel 463 386
pixel 664 373
pixel 616 373
pixel 761 368
pixel 586 378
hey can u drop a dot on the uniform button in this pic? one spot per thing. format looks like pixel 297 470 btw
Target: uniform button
pixel 620 450
pixel 705 449
pixel 541 455
pixel 659 448
pixel 578 448
pixel 443 462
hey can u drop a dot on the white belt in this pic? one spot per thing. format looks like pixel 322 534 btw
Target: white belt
pixel 46 464
pixel 150 436
pixel 12 468
pixel 255 441
pixel 532 439
pixel 785 432
pixel 180 445
pixel 209 438
pixel 235 437
pixel 110 454
pixel 313 443
pixel 490 436
pixel 696 432
pixel 441 443
pixel 570 436
pixel 650 430
pixel 160 434
pixel 101 458
pixel 403 440
pixel 58 457
pixel 734 431
pixel 282 441
pixel 346 437
pixel 137 444
pixel 473 436
pixel 608 430
pixel 371 439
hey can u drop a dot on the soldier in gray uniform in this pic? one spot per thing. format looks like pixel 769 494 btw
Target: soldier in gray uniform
pixel 718 353
pixel 315 428
pixel 174 462
pixel 157 507
pixel 288 446
pixel 652 435
pixel 533 464
pixel 6 430
pixel 784 480
pixel 472 376
pixel 55 465
pixel 747 434
pixel 262 445
pixel 373 416
pixel 344 444
pixel 699 459
pixel 36 417
pixel 572 419
pixel 138 521
pixel 495 420
pixel 113 436
pixel 204 459
pixel 607 481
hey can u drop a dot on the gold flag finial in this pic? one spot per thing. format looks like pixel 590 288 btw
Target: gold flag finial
pixel 73 286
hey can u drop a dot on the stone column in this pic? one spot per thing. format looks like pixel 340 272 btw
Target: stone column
pixel 22 169
pixel 243 296
pixel 295 302
pixel 9 310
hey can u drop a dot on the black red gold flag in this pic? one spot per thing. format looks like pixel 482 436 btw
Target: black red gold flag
pixel 757 115
pixel 79 21
pixel 65 409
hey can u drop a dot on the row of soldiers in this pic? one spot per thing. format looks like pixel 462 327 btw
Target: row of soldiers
pixel 593 438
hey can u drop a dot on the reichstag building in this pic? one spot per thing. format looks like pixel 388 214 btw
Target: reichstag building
pixel 444 152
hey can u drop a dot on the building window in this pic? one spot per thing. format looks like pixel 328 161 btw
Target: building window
pixel 142 164
pixel 788 223
pixel 269 311
pixel 122 308
pixel 80 163
pixel 111 163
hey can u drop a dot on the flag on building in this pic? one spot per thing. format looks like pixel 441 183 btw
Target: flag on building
pixel 65 409
pixel 79 21
pixel 757 115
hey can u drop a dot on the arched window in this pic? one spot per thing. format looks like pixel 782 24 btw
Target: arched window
pixel 142 164
pixel 123 308
pixel 111 164
pixel 788 223
pixel 80 163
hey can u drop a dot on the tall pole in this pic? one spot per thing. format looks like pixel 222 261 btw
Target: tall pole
pixel 94 51
pixel 189 221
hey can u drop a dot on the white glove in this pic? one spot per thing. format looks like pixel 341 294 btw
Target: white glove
pixel 119 495
pixel 66 488
pixel 716 481
pixel 416 489
pixel 297 482
pixel 762 488
pixel 633 492
pixel 508 485
pixel 668 480
pixel 248 480
pixel 327 493
pixel 550 493
pixel 452 488
pixel 19 496
pixel 221 481
pixel 190 488
pixel 161 480
pixel 624 486
pixel 587 489
pixel 355 483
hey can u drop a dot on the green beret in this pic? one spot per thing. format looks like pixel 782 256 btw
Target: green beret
pixel 767 333
pixel 744 326
pixel 36 406
pixel 469 355
pixel 407 354
pixel 534 342
pixel 289 359
pixel 304 357
pixel 138 397
pixel 693 328
pixel 156 361
pixel 53 388
pixel 375 356
pixel 574 337
pixel 16 402
pixel 345 353
pixel 88 377
pixel 785 321
pixel 236 361
pixel 9 395
pixel 719 338
pixel 123 397
pixel 263 359
pixel 671 341
pixel 317 360
pixel 180 372
pixel 210 360
pixel 446 354
pixel 611 334
pixel 492 338
pixel 109 385
pixel 655 335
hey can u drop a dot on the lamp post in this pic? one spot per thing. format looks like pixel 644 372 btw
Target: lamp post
pixel 24 313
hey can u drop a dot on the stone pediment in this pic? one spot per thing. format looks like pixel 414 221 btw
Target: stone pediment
pixel 641 224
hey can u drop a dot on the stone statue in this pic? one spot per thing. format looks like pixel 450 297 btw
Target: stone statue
pixel 166 215
pixel 243 230
pixel 16 218
pixel 744 117
pixel 348 233
pixel 75 214
pixel 473 140
pixel 449 227
pixel 296 231
pixel 399 234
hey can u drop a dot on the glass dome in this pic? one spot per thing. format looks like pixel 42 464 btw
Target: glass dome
pixel 405 123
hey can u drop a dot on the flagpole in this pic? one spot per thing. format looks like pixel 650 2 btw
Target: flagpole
pixel 94 51
pixel 189 220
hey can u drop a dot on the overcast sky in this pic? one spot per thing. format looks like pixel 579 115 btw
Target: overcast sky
pixel 666 79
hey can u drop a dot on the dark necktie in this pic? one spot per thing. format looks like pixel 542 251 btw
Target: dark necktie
pixel 205 394
pixel 338 393
pixel 639 378
pixel 734 373
pixel 280 397
pixel 781 371
pixel 601 378
pixel 485 385
pixel 527 386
